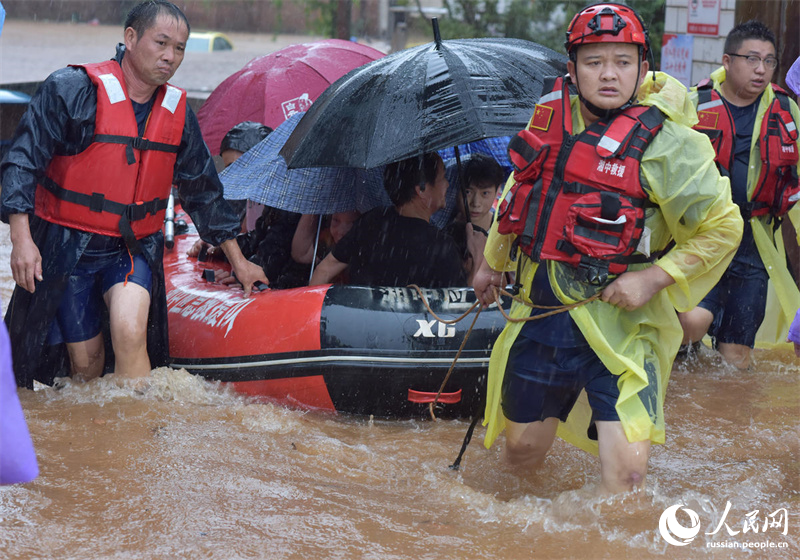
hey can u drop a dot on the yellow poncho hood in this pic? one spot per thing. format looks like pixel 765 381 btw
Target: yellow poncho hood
pixel 694 209
pixel 783 297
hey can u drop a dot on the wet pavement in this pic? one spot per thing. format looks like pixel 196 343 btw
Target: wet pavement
pixel 30 51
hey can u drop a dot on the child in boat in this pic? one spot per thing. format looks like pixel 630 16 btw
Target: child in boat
pixel 484 177
pixel 266 231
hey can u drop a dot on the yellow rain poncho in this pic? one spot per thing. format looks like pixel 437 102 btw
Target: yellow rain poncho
pixel 693 207
pixel 783 298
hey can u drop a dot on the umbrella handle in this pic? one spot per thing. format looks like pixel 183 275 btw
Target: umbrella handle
pixel 316 246
pixel 462 184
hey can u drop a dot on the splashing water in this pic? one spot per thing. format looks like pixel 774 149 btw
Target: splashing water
pixel 187 469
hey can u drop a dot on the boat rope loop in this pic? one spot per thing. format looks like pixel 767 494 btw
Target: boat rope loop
pixel 497 294
pixel 477 305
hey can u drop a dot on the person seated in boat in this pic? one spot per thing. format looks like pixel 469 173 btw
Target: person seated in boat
pixel 484 178
pixel 269 245
pixel 235 143
pixel 397 245
pixel 306 247
pixel 267 242
pixel 283 249
pixel 495 148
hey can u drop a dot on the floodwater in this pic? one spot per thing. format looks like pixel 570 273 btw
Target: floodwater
pixel 189 470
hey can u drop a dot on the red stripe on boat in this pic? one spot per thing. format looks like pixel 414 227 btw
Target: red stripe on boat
pixel 425 397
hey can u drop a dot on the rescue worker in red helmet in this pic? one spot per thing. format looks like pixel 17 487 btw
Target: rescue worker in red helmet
pixel 752 124
pixel 85 188
pixel 607 179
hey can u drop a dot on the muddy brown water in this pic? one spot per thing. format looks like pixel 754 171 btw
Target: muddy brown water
pixel 189 470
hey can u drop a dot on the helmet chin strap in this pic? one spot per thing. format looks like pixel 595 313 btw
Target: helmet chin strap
pixel 599 112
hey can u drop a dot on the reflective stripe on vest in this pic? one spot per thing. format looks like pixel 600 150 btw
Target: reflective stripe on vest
pixel 579 198
pixel 777 188
pixel 120 184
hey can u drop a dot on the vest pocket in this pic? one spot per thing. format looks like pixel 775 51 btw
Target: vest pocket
pixel 604 225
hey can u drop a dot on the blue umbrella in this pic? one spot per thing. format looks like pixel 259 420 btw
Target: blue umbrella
pixel 261 175
pixel 494 147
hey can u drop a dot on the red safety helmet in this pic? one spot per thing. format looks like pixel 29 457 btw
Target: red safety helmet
pixel 607 23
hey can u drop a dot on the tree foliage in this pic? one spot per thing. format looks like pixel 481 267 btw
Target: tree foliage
pixel 541 21
pixel 320 16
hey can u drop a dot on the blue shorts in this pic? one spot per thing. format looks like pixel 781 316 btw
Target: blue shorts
pixel 738 303
pixel 544 382
pixel 104 263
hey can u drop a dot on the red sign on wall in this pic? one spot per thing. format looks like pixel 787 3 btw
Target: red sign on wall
pixel 703 17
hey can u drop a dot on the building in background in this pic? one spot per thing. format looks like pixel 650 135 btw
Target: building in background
pixel 695 32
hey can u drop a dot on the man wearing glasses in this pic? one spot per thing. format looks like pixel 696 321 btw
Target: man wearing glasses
pixel 752 125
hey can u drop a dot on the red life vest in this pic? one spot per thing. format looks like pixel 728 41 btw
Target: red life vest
pixel 777 188
pixel 579 198
pixel 120 184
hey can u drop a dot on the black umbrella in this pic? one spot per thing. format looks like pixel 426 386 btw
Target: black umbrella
pixel 422 99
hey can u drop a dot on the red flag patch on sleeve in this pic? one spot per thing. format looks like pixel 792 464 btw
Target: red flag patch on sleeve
pixel 708 119
pixel 541 117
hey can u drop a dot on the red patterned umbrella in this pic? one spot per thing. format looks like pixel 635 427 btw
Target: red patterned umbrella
pixel 271 88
